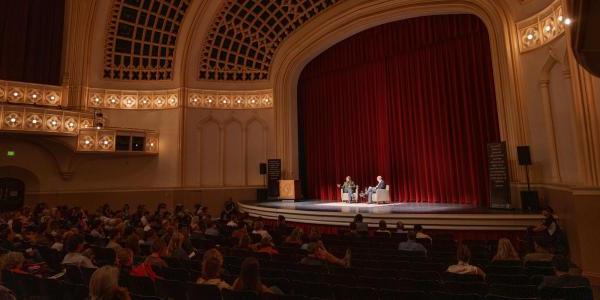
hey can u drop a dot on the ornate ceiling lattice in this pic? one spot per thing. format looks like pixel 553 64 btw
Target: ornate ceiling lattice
pixel 246 34
pixel 141 38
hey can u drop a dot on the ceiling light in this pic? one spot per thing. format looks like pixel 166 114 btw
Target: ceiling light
pixel 209 100
pixel 568 21
pixel 34 96
pixel 34 121
pixel 547 28
pixel 105 142
pixel 87 142
pixel 530 36
pixel 15 94
pixel 12 120
pixel 151 144
pixel 239 101
pixel 53 122
pixel 560 18
pixel 52 97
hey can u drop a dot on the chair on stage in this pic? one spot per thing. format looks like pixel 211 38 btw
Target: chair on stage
pixel 346 196
pixel 382 196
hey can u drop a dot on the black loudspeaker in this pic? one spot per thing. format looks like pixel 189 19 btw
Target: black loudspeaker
pixel 530 201
pixel 263 168
pixel 262 195
pixel 524 155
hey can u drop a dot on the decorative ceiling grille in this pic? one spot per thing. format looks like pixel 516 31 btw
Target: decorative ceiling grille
pixel 246 34
pixel 141 38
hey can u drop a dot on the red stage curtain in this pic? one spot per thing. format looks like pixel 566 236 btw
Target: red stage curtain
pixel 31 40
pixel 413 101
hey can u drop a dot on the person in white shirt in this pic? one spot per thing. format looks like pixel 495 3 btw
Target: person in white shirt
pixel 463 255
pixel 74 257
pixel 259 229
pixel 420 235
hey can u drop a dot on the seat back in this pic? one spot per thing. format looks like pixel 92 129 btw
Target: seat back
pixel 203 291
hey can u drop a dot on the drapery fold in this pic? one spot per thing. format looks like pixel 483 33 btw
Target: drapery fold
pixel 413 101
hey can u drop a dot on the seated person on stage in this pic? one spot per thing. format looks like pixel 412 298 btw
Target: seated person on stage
pixel 348 187
pixel 562 278
pixel 373 189
pixel 463 255
pixel 411 244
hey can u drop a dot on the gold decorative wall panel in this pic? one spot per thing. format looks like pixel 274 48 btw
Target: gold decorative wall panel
pixel 212 99
pixel 542 28
pixel 32 119
pixel 123 99
pixel 28 93
pixel 104 140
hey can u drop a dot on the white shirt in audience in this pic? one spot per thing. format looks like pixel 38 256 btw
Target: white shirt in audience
pixel 465 268
pixel 263 233
pixel 214 281
pixel 77 259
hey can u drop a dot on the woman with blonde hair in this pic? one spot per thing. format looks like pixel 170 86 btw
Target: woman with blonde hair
pixel 506 251
pixel 104 285
pixel 295 238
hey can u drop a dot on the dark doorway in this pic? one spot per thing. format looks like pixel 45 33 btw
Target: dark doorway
pixel 12 193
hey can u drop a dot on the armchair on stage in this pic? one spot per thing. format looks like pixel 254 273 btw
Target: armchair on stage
pixel 382 196
pixel 346 196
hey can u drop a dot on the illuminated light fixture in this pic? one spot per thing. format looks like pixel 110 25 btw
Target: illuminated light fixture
pixel 560 18
pixel 15 94
pixel 12 120
pixel 568 21
pixel 53 122
pixel 195 100
pixel 34 96
pixel 224 101
pixel 113 100
pixel 253 101
pixel 52 97
pixel 96 99
pixel 267 100
pixel 239 101
pixel 105 142
pixel 71 124
pixel 209 100
pixel 145 101
pixel 151 144
pixel 98 127
pixel 159 101
pixel 530 36
pixel 34 121
pixel 87 142
pixel 129 101
pixel 548 28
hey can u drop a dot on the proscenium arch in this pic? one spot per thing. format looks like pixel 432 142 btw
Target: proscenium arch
pixel 348 18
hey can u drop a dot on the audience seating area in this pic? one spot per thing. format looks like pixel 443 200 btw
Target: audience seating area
pixel 378 271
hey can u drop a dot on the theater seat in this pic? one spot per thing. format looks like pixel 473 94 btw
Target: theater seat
pixel 516 291
pixel 402 295
pixel 203 291
pixel 382 196
pixel 239 295
pixel 453 296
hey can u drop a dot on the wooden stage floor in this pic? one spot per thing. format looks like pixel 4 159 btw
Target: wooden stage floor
pixel 430 215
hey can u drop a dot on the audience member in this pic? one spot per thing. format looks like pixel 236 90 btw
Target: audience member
pixel 506 251
pixel 266 246
pixel 13 261
pixel 229 209
pixel 75 248
pixel 113 243
pixel 411 245
pixel 249 279
pixel 463 255
pixel 352 232
pixel 562 278
pixel 383 227
pixel 212 229
pixel 420 234
pixel 295 238
pixel 259 229
pixel 400 227
pixel 155 258
pixel 360 226
pixel 104 285
pixel 317 255
pixel 124 259
pixel 540 253
pixel 212 261
pixel 175 248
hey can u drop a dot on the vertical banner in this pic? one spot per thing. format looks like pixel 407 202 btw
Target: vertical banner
pixel 273 176
pixel 498 173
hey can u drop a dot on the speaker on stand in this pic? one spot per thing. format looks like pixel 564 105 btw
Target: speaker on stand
pixel 529 198
pixel 262 193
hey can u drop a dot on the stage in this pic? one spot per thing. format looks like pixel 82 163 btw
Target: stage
pixel 430 215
